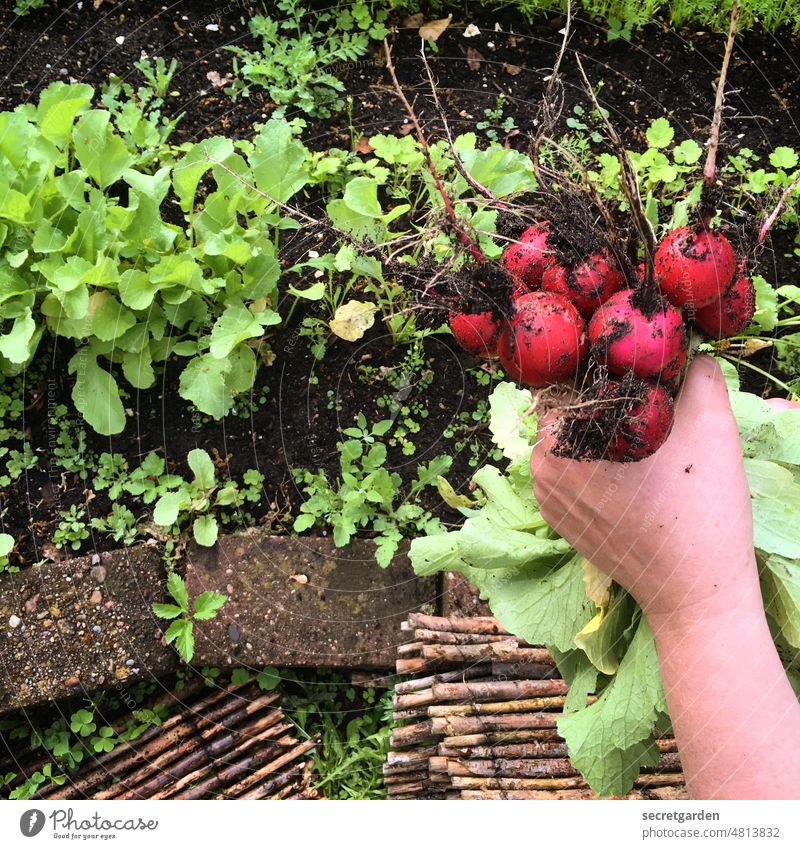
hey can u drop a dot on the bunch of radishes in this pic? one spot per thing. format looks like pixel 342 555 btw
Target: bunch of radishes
pixel 564 317
pixel 626 329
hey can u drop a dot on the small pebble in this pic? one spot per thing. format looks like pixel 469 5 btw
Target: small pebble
pixel 95 559
pixel 98 574
pixel 129 662
pixel 96 597
pixel 120 39
pixel 96 629
pixel 14 621
pixel 212 27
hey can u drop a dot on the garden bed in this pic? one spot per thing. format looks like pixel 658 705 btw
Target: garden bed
pixel 298 407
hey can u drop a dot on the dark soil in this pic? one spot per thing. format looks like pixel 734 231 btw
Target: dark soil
pixel 298 423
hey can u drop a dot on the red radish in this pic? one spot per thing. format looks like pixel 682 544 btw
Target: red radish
pixel 618 420
pixel 476 333
pixel 694 267
pixel 587 284
pixel 732 313
pixel 526 258
pixel 545 341
pixel 626 337
pixel 645 425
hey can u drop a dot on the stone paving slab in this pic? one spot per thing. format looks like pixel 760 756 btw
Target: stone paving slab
pixel 80 625
pixel 74 627
pixel 299 601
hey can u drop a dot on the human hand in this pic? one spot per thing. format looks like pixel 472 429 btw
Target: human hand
pixel 676 529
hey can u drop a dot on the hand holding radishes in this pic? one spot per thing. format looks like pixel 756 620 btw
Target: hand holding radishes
pixel 674 527
pixel 676 531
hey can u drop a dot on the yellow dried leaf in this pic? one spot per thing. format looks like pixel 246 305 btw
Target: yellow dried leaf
pixel 352 320
pixel 598 585
pixel 588 640
pixel 450 497
pixel 431 30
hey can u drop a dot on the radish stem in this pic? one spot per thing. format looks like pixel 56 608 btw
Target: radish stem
pixel 710 170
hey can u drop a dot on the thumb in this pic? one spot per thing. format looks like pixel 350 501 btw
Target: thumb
pixel 545 439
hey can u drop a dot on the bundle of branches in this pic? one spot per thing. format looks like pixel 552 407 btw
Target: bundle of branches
pixel 233 743
pixel 480 720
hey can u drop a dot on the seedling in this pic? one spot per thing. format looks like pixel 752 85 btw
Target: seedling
pixel 183 615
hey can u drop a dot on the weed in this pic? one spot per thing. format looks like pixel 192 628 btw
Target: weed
pixel 72 530
pixel 301 52
pixel 367 495
pixel 183 615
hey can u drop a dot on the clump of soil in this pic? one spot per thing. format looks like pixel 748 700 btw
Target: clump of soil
pixel 473 288
pixel 577 229
pixel 587 431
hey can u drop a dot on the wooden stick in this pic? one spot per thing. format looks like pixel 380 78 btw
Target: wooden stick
pixel 552 794
pixel 470 783
pixel 270 747
pixel 521 669
pixel 409 649
pixel 452 726
pixel 662 779
pixel 191 768
pixel 411 666
pixel 412 700
pixel 487 691
pixel 408 735
pixel 667 744
pixel 467 625
pixel 510 795
pixel 283 793
pixel 667 763
pixel 410 789
pixel 417 756
pixel 508 750
pixel 410 713
pixel 426 635
pixel 477 671
pixel 677 792
pixel 710 169
pixel 547 703
pixel 512 768
pixel 405 769
pixel 418 775
pixel 506 651
pixel 492 738
pixel 277 785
